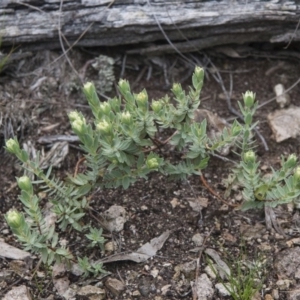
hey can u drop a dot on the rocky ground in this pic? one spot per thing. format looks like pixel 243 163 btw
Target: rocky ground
pixel 194 230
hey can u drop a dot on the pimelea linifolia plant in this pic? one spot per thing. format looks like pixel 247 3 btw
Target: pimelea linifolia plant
pixel 122 145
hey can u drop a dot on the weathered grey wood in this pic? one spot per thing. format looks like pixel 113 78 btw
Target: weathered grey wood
pixel 35 24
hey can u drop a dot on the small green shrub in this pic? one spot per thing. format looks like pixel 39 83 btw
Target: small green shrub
pixel 245 278
pixel 122 145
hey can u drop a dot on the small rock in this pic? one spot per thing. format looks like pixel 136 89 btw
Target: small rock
pixel 11 252
pixel 282 98
pixel 257 296
pixel 174 202
pixel 228 237
pixel 115 286
pixel 297 274
pixel 287 262
pixel 146 267
pixel 115 218
pixel 283 284
pixel 58 270
pixel 285 123
pixel 136 294
pixel 275 294
pixel 268 297
pixel 188 269
pixel 153 289
pixel 75 270
pixel 144 208
pixel 278 236
pixel 250 232
pixel 110 247
pixel 154 272
pixel 144 289
pixel 222 290
pixel 71 293
pixel 92 292
pixel 18 293
pixel 203 288
pixel 165 289
pixel 197 204
pixel 198 239
pixel 210 272
pixel 61 285
pixel 265 247
pixel 224 207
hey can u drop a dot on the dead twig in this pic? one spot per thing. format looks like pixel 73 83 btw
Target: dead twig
pixel 293 35
pixel 215 193
pixel 159 143
pixel 60 35
pixel 167 38
pixel 274 98
pixel 81 160
pixel 217 76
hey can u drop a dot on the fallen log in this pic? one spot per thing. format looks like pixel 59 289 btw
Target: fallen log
pixel 189 25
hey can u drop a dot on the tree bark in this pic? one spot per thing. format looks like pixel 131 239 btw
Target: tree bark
pixel 175 25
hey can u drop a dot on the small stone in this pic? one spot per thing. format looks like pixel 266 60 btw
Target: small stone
pixel 290 207
pixel 210 272
pixel 265 247
pixel 18 293
pixel 287 262
pixel 282 98
pixel 76 270
pixel 165 289
pixel 147 268
pixel 115 286
pixel 144 208
pixel 110 247
pixel 5 231
pixel 174 202
pixel 92 292
pixel 257 296
pixel 144 289
pixel 250 232
pixel 115 217
pixel 228 237
pixel 224 207
pixel 278 236
pixel 59 270
pixel 268 297
pixel 203 288
pixel 154 272
pixel 275 294
pixel 136 294
pixel 198 239
pixel 188 269
pixel 283 284
pixel 222 290
pixel 297 274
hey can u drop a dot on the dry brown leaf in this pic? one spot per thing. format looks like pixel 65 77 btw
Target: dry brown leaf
pixel 143 253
